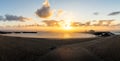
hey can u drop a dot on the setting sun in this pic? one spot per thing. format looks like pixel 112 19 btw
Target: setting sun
pixel 67 27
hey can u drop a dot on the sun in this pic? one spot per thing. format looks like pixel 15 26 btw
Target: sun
pixel 66 25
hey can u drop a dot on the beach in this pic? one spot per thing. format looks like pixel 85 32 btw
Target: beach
pixel 41 49
pixel 104 49
pixel 31 49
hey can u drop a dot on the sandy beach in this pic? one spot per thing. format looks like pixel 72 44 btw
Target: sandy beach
pixel 31 49
pixel 38 49
pixel 104 49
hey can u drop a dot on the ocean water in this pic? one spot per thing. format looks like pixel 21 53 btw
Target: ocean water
pixel 52 35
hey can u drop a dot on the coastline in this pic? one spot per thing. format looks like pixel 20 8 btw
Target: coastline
pixel 30 49
pixel 41 49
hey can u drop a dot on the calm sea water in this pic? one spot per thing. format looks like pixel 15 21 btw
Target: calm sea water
pixel 52 35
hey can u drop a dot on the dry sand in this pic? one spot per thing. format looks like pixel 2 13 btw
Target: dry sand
pixel 31 49
pixel 104 49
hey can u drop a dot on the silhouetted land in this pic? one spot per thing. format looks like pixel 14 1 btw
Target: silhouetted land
pixel 35 49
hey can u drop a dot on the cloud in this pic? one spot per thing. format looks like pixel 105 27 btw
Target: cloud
pixel 114 13
pixel 96 13
pixel 59 12
pixel 9 17
pixel 51 22
pixel 1 18
pixel 45 11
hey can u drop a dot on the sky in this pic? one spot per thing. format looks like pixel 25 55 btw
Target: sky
pixel 81 9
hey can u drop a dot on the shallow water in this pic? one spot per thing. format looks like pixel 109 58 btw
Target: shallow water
pixel 52 35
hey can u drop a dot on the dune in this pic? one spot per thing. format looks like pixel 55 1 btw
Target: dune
pixel 31 49
pixel 104 49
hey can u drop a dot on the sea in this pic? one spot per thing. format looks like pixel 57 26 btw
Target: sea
pixel 51 35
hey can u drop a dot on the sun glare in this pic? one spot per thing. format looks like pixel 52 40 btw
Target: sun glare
pixel 67 25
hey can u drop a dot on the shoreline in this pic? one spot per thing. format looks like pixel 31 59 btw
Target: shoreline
pixel 30 49
pixel 33 49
